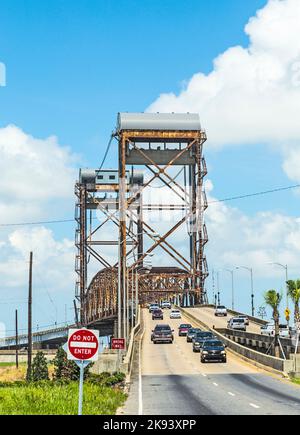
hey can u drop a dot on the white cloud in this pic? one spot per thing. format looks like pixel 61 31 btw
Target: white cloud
pixel 252 95
pixel 37 183
pixel 35 174
pixel 237 239
pixel 53 260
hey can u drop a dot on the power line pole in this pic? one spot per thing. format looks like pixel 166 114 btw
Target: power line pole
pixel 29 354
pixel 76 313
pixel 17 340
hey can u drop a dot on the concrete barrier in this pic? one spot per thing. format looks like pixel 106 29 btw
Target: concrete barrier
pixel 126 365
pixel 256 358
pixel 108 361
pixel 258 340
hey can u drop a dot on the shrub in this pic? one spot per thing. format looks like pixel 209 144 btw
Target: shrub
pixel 39 369
pixel 66 370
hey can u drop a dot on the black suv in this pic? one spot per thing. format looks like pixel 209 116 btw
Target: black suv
pixel 162 334
pixel 213 350
pixel 191 333
pixel 157 315
pixel 200 338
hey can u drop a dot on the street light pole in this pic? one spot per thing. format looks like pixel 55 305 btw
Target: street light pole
pixel 252 288
pixel 232 287
pixel 218 285
pixel 285 267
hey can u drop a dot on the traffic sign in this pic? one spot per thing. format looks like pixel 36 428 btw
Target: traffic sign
pixel 118 343
pixel 287 314
pixel 83 344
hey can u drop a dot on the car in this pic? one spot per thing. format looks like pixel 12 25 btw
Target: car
pixel 184 329
pixel 237 324
pixel 200 338
pixel 213 350
pixel 175 314
pixel 166 305
pixel 284 331
pixel 268 329
pixel 221 311
pixel 162 334
pixel 246 318
pixel 191 333
pixel 153 307
pixel 157 315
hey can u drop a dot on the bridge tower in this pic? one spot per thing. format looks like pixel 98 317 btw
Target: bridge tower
pixel 160 143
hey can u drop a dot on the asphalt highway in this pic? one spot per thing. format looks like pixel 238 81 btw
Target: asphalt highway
pixel 207 315
pixel 168 379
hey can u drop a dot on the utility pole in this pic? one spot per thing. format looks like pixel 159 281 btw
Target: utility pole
pixel 76 313
pixel 29 354
pixel 17 340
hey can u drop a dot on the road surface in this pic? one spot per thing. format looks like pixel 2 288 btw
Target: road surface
pixel 207 315
pixel 168 379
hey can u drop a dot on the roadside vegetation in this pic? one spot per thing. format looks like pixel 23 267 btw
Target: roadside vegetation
pixel 296 381
pixel 53 389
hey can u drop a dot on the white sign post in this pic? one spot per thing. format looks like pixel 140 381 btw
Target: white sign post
pixel 83 347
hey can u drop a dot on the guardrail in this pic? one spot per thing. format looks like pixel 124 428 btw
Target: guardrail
pixel 126 365
pixel 257 340
pixel 257 358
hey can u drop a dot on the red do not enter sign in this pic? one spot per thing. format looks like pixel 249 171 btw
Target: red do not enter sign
pixel 83 344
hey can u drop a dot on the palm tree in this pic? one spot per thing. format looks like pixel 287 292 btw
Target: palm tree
pixel 273 299
pixel 294 294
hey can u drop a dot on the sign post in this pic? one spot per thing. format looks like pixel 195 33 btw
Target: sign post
pixel 83 345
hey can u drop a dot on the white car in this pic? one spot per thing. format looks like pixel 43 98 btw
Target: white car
pixel 268 330
pixel 175 314
pixel 166 305
pixel 237 324
pixel 284 331
pixel 221 311
pixel 246 318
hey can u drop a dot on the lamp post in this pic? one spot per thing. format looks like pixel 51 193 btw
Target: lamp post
pixel 252 290
pixel 218 286
pixel 285 267
pixel 232 287
pixel 134 282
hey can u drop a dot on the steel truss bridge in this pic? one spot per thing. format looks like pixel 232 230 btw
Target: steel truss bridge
pixel 115 235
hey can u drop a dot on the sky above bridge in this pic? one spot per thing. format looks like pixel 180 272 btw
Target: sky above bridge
pixel 71 66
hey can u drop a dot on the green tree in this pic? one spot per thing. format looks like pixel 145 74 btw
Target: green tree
pixel 39 370
pixel 294 294
pixel 273 299
pixel 65 369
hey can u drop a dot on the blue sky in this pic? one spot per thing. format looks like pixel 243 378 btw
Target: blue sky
pixel 72 66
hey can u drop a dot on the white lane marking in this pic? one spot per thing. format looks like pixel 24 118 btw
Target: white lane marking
pixel 140 375
pixel 204 375
pixel 231 394
pixel 216 385
pixel 254 406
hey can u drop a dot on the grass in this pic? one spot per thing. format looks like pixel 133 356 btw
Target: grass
pixel 296 380
pixel 9 373
pixel 49 398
